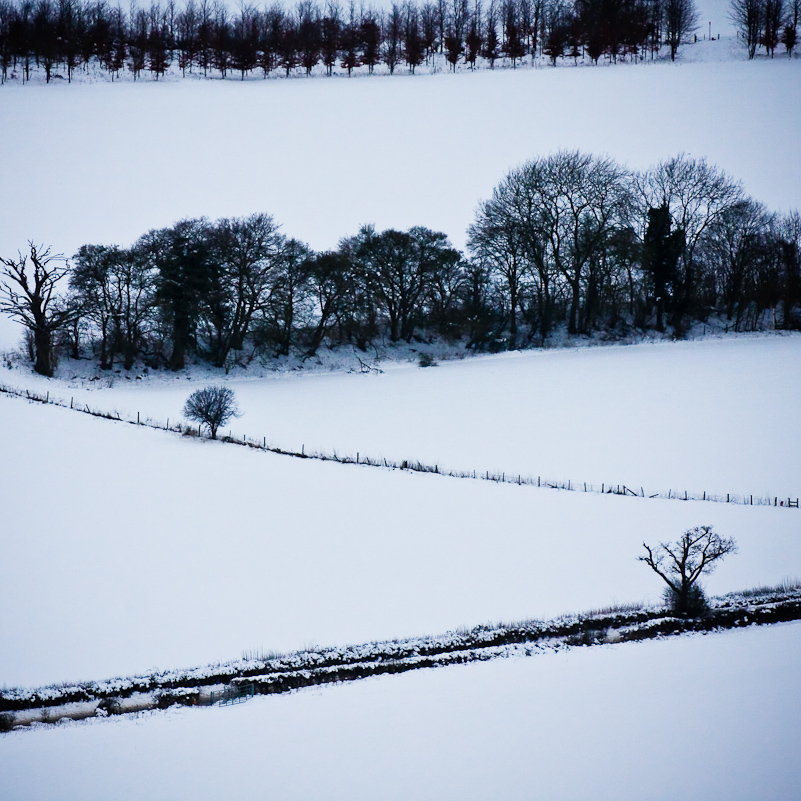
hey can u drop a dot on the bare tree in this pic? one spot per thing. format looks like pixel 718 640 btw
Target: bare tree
pixel 211 406
pixel 696 194
pixel 748 17
pixel 31 298
pixel 681 19
pixel 775 17
pixel 682 563
pixel 399 268
pixel 114 289
pixel 562 209
pixel 393 37
pixel 247 251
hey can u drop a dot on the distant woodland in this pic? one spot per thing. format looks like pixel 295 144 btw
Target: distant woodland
pixel 568 244
pixel 58 37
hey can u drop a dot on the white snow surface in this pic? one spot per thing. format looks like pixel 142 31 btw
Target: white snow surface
pixel 104 163
pixel 715 715
pixel 716 415
pixel 147 550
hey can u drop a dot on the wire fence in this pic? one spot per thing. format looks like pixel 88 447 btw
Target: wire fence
pixel 568 485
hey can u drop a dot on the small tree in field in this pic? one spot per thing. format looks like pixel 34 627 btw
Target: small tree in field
pixel 682 563
pixel 211 406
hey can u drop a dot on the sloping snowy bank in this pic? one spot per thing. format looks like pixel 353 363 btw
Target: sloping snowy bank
pixel 271 674
pixel 716 416
pixel 138 549
pixel 621 723
pixel 106 163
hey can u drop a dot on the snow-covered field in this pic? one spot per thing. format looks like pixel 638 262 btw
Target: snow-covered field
pixel 128 549
pixel 106 162
pixel 144 549
pixel 701 717
pixel 716 416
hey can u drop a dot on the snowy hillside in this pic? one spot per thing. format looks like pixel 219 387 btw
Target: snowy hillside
pixel 715 416
pixel 130 550
pixel 151 550
pixel 614 722
pixel 104 163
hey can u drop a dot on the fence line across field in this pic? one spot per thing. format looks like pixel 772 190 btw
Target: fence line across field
pixel 417 466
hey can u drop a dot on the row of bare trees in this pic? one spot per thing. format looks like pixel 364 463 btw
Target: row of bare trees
pixel 570 241
pixel 580 239
pixel 766 23
pixel 207 37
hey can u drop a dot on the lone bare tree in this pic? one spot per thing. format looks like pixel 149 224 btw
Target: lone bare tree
pixel 682 563
pixel 211 406
pixel 30 297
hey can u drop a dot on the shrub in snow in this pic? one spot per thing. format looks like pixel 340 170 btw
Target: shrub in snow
pixel 7 721
pixel 696 604
pixel 109 706
pixel 211 406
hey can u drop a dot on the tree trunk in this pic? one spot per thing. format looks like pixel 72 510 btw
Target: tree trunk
pixel 43 344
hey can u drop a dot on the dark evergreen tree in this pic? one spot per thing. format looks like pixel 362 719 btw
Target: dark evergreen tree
pixel 661 251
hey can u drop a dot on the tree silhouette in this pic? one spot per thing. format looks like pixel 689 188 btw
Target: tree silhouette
pixel 211 406
pixel 683 562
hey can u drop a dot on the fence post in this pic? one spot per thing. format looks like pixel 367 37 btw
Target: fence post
pixel 137 418
pixel 71 400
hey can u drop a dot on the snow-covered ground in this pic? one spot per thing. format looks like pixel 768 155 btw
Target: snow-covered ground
pixel 106 162
pixel 704 717
pixel 128 549
pixel 716 416
pixel 137 549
